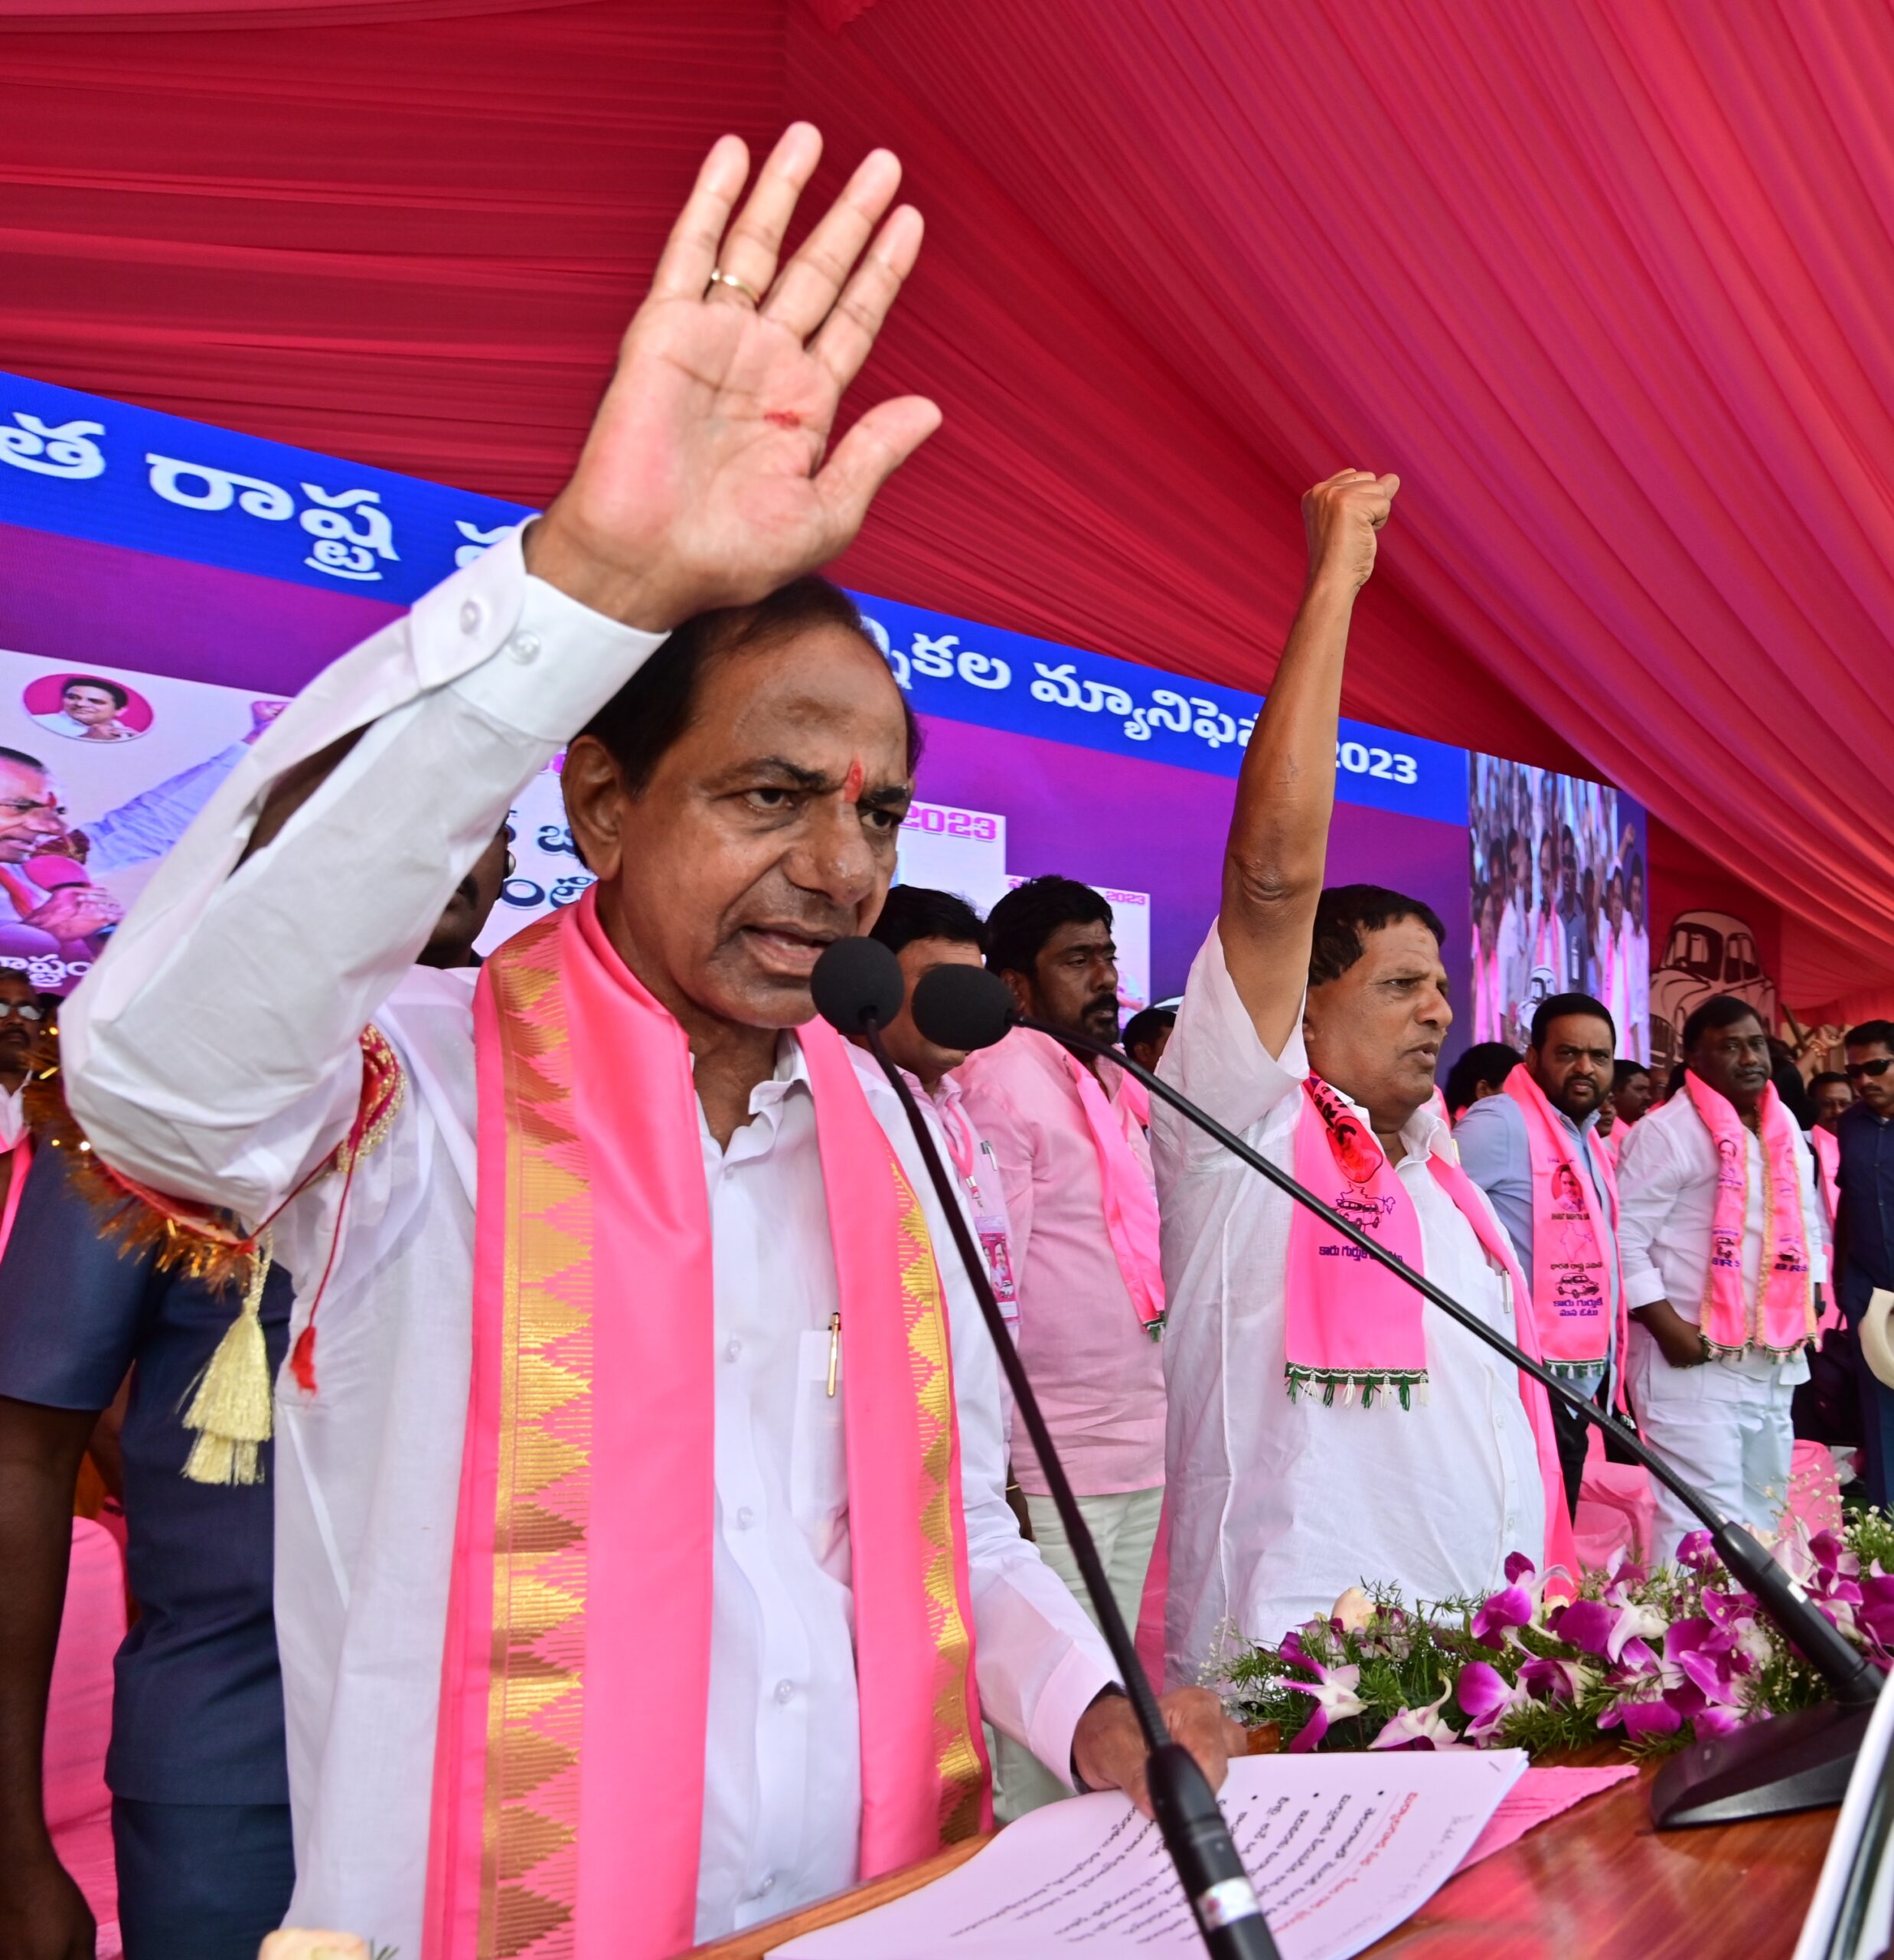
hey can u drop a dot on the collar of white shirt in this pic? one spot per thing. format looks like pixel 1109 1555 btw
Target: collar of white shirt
pixel 1425 1134
pixel 766 1101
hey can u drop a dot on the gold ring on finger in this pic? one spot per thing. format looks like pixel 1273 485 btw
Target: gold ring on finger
pixel 720 277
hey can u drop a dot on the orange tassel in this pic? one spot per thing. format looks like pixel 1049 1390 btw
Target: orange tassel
pixel 303 1359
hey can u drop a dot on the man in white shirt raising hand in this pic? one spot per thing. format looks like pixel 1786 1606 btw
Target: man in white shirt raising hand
pixel 1326 1427
pixel 628 1404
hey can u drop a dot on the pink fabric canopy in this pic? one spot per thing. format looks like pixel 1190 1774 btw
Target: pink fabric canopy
pixel 1600 281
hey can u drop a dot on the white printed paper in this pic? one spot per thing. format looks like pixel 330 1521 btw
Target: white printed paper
pixel 963 851
pixel 1341 1849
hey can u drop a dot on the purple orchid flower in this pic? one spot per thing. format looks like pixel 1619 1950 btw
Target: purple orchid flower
pixel 1334 1692
pixel 1640 1719
pixel 1724 1609
pixel 1696 1641
pixel 1698 1552
pixel 1483 1692
pixel 1501 1613
pixel 1708 1696
pixel 1558 1680
pixel 1832 1556
pixel 1637 1658
pixel 1586 1625
pixel 1420 1728
pixel 1876 1611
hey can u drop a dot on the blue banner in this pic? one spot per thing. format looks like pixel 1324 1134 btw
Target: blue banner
pixel 89 467
pixel 995 679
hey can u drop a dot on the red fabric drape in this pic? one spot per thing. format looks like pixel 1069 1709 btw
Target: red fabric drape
pixel 1598 279
pixel 412 243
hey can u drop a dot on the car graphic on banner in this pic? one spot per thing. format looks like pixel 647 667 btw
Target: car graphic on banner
pixel 1707 953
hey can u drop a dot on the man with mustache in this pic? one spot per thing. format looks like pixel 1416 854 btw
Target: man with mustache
pixel 1723 1245
pixel 1328 1428
pixel 645 1568
pixel 1069 1131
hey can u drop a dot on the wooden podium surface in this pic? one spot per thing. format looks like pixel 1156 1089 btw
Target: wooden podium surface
pixel 1596 1882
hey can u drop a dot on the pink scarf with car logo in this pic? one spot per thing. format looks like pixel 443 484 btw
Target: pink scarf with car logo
pixel 1574 1238
pixel 1780 1316
pixel 1354 1331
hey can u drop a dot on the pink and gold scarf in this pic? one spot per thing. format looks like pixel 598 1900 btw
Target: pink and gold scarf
pixel 1574 1241
pixel 1354 1331
pixel 568 1773
pixel 1781 1316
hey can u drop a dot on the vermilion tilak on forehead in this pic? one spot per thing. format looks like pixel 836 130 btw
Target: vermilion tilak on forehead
pixel 851 786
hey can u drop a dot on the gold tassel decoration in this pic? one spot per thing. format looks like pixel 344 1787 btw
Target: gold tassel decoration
pixel 231 1409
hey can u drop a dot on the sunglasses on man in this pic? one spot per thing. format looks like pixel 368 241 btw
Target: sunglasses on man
pixel 1878 1067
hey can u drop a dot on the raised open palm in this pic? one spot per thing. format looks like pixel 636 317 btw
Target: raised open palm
pixel 706 479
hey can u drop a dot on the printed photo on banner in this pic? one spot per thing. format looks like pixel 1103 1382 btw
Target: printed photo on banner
pixel 101 772
pixel 1561 892
pixel 87 707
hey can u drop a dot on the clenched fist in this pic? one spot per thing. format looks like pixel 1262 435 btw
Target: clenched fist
pixel 1341 518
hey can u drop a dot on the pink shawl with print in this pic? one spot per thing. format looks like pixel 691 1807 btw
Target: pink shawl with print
pixel 1575 1239
pixel 1354 1330
pixel 1780 1316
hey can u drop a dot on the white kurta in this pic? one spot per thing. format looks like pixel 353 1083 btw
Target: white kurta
pixel 1276 1507
pixel 474 692
pixel 1725 1424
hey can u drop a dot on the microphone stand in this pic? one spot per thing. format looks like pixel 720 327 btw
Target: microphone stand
pixel 1192 1825
pixel 1788 1762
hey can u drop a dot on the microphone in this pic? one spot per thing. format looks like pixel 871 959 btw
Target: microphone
pixel 1792 1762
pixel 856 982
pixel 858 988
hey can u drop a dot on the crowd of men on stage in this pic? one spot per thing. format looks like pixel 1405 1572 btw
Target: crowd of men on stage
pixel 641 1525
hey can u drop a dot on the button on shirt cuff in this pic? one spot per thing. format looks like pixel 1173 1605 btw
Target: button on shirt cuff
pixel 544 680
pixel 1644 1289
pixel 520 650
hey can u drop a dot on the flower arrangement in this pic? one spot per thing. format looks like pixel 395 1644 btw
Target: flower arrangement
pixel 1649 1659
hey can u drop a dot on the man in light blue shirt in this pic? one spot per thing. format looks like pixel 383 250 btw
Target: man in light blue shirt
pixel 1571 1062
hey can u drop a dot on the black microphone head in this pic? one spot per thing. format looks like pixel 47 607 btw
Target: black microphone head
pixel 963 1007
pixel 855 981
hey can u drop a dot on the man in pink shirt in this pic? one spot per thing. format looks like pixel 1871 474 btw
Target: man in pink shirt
pixel 1069 1133
pixel 924 930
